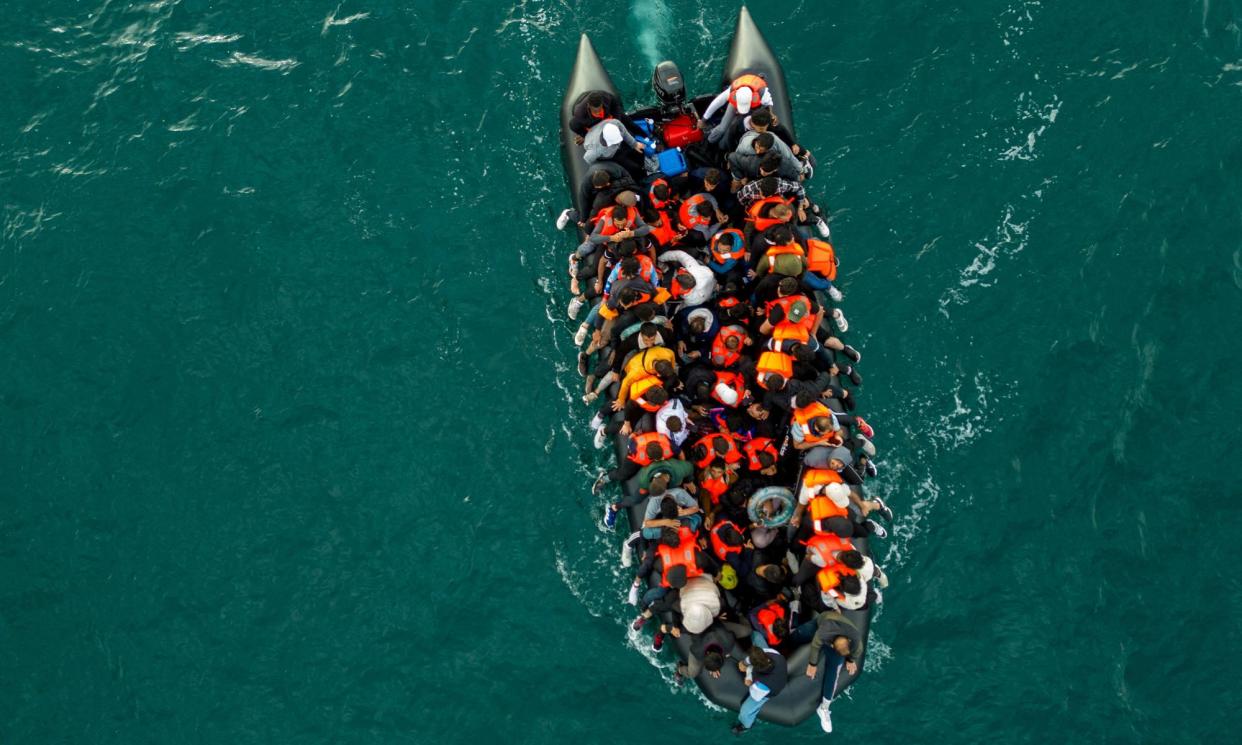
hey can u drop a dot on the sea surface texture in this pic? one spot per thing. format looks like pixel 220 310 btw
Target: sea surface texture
pixel 290 444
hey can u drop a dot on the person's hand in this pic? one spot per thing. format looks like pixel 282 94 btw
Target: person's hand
pixel 750 274
pixel 617 405
pixel 701 124
pixel 810 671
pixel 795 149
pixel 676 632
pixel 795 521
pixel 715 674
pixel 851 668
pixel 741 666
pixel 578 139
pixel 626 429
pixel 690 488
pixel 801 215
pixel 640 147
pixel 599 285
pixel 616 238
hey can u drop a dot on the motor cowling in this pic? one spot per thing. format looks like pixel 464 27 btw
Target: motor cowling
pixel 669 85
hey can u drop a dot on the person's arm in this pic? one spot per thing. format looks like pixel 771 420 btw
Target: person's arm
pixel 640 228
pixel 716 104
pixel 628 140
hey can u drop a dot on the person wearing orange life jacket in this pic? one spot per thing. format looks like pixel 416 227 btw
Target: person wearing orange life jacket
pixel 700 215
pixel 727 257
pixel 727 542
pixel 762 456
pixel 677 558
pixel 642 449
pixel 746 92
pixel 826 496
pixel 645 396
pixel 814 425
pixel 666 232
pixel 770 622
pixel 728 346
pixel 703 288
pixel 714 481
pixel 716 445
pixel 729 389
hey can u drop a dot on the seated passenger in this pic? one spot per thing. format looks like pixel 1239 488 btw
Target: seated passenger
pixel 607 140
pixel 594 107
pixel 704 281
pixel 701 215
pixel 745 92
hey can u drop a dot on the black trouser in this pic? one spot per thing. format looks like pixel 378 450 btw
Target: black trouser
pixel 632 161
pixel 625 470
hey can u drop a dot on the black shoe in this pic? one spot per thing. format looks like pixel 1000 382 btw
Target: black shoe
pixel 872 471
pixel 852 353
pixel 738 729
pixel 885 511
pixel 600 480
pixel 853 375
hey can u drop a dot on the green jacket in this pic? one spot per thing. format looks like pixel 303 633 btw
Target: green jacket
pixel 680 471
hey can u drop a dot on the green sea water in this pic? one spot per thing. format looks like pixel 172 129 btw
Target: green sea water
pixel 290 447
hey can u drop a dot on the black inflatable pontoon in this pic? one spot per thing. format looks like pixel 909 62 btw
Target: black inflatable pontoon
pixel 748 52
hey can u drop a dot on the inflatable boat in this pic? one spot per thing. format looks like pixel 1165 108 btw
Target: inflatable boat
pixel 749 52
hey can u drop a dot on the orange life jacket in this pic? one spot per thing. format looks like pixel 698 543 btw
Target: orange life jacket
pixel 767 616
pixel 721 549
pixel 821 547
pixel 756 85
pixel 755 212
pixel 631 214
pixel 720 245
pixel 715 488
pixel 722 356
pixel 785 249
pixel 756 446
pixel 641 386
pixel 773 362
pixel 688 218
pixel 639 443
pixel 808 321
pixel 732 455
pixel 656 202
pixel 830 576
pixel 665 233
pixel 682 555
pixel 802 417
pixel 821 258
pixel 731 380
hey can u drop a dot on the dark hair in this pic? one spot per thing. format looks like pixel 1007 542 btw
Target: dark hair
pixel 656 394
pixel 729 535
pixel 697 324
pixel 704 209
pixel 762 117
pixel 771 163
pixel 732 342
pixel 820 424
pixel 664 368
pixel 720 445
pixel 673 423
pixel 654 451
pixel 685 279
pixel 669 536
pixel 698 451
pixel 661 191
pixel 713 659
pixel 620 212
pixel 780 628
pixel 595 99
pixel 668 506
pixel 851 558
pixel 778 235
pixel 787 285
pixel 765 140
pixel 630 266
pixel 765 459
pixel 802 352
pixel 600 178
pixel 768 186
pixel 649 213
pixel 774 381
pixel 627 247
pixel 628 295
pixel 677 575
pixel 648 329
pixel 711 176
pixel 850 584
pixel 804 398
pixel 772 573
pixel 760 661
pixel 645 312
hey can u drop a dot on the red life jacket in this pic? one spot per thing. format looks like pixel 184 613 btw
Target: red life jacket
pixel 757 86
pixel 639 443
pixel 732 455
pixel 714 487
pixel 682 555
pixel 723 240
pixel 767 616
pixel 688 218
pixel 756 446
pixel 721 549
pixel 656 201
pixel 664 234
pixel 732 380
pixel 821 258
pixel 722 356
pixel 610 228
pixel 755 213
pixel 821 547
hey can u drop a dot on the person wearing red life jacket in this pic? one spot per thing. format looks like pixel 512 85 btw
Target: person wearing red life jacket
pixel 745 92
pixel 771 622
pixel 700 215
pixel 676 558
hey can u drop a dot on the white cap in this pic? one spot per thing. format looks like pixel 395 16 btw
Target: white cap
pixel 744 100
pixel 696 618
pixel 612 134
pixel 838 493
pixel 727 395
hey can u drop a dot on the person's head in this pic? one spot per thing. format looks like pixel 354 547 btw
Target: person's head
pixel 774 381
pixel 674 424
pixel 779 235
pixel 744 98
pixel 851 558
pixel 841 645
pixel 804 398
pixel 645 312
pixel 620 216
pixel 730 535
pixel 595 101
pixel 627 247
pixel 654 452
pixel 703 394
pixel 630 267
pixel 626 198
pixel 699 450
pixel 761 120
pixel 649 332
pixel 711 179
pixel 601 179
pixel 720 445
pixel 670 537
pixel 650 214
pixel 768 186
pixel 660 192
pixel 766 459
pixel 821 425
pixel 784 213
pixel 698 324
pixel 685 280
pixel 763 143
pixel 659 483
pixel 780 628
pixel 664 369
pixel 611 134
pixel 802 353
pixel 850 584
pixel 703 210
pixel 713 659
pixel 770 164
pixel 836 464
pixel 760 661
pixel 772 573
pixel 656 395
pixel 629 296
pixel 787 286
pixel 732 343
pixel 715 470
pixel 668 508
pixel 676 575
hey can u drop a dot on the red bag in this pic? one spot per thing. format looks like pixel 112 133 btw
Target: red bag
pixel 681 131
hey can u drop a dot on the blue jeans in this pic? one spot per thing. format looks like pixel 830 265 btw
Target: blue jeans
pixel 830 663
pixel 750 709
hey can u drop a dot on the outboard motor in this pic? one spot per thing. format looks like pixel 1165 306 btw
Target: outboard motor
pixel 669 87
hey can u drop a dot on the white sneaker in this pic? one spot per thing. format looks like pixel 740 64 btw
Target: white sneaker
pixel 825 716
pixel 822 226
pixel 589 398
pixel 600 438
pixel 837 316
pixel 575 306
pixel 566 215
pixel 627 559
pixel 835 294
pixel 597 421
pixel 632 598
pixel 581 335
